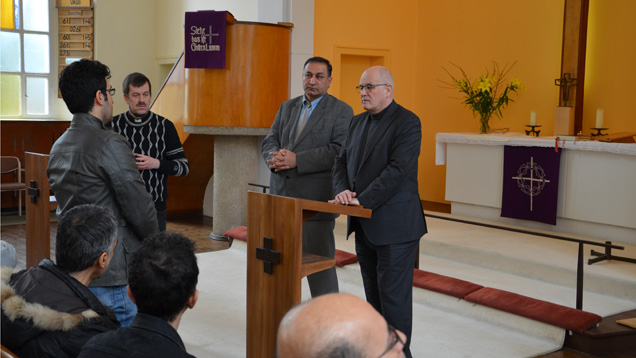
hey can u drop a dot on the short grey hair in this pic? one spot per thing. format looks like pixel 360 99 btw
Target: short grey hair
pixel 83 234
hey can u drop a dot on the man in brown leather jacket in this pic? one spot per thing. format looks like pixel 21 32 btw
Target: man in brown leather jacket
pixel 92 164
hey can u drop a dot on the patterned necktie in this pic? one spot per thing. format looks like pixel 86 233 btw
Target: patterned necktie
pixel 302 120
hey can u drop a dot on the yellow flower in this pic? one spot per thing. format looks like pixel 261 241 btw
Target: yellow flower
pixel 488 94
pixel 484 85
pixel 516 83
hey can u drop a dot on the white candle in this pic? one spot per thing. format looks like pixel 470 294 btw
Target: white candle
pixel 533 118
pixel 599 118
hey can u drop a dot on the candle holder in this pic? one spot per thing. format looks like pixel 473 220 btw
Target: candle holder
pixel 532 130
pixel 598 132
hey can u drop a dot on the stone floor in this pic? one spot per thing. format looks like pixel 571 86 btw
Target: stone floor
pixel 196 228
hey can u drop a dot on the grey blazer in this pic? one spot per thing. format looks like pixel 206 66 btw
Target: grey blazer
pixel 315 149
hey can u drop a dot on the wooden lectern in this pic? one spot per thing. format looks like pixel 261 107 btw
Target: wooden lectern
pixel 38 209
pixel 276 263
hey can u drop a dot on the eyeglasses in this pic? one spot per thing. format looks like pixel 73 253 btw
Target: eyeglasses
pixel 368 87
pixel 396 336
pixel 110 90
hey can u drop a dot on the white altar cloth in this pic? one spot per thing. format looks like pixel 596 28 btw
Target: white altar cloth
pixel 519 139
pixel 597 194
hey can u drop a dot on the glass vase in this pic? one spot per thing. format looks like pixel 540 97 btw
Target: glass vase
pixel 484 118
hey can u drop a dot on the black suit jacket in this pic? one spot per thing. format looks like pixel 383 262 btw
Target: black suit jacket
pixel 383 175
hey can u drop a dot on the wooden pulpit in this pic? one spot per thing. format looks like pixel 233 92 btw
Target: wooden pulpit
pixel 38 209
pixel 276 263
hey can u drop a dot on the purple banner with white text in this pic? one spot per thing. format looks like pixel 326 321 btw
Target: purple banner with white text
pixel 205 39
pixel 530 183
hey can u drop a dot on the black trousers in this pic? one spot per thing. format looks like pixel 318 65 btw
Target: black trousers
pixel 387 275
pixel 161 207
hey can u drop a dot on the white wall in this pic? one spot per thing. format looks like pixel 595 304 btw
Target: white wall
pixel 302 16
pixel 125 40
pixel 141 35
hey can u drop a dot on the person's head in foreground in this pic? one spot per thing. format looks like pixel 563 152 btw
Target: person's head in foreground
pixel 85 242
pixel 162 276
pixel 337 325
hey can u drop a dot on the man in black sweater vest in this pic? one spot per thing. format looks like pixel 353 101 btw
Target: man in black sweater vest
pixel 153 139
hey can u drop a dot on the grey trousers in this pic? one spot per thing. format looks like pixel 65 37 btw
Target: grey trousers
pixel 318 240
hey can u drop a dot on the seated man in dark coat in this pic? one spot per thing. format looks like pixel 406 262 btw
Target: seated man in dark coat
pixel 48 311
pixel 162 280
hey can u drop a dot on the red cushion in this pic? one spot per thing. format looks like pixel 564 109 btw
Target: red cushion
pixel 443 284
pixel 538 310
pixel 345 258
pixel 238 233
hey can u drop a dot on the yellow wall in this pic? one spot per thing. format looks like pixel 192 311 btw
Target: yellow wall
pixel 424 36
pixel 373 25
pixel 610 74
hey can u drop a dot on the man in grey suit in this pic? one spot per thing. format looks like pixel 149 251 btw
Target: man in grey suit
pixel 300 148
pixel 377 168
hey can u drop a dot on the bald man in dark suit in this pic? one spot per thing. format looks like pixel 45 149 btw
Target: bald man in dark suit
pixel 377 168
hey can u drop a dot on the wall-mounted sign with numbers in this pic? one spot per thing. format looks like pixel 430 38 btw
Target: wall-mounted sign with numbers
pixel 75 31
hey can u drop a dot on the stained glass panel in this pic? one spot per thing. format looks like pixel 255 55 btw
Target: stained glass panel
pixel 36 15
pixel 37 95
pixel 36 53
pixel 10 47
pixel 10 99
pixel 7 14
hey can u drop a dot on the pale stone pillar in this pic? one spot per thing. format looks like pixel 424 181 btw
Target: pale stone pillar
pixel 235 165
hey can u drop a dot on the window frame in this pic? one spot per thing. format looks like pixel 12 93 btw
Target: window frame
pixel 51 76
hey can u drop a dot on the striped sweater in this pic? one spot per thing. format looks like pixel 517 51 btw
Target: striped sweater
pixel 154 136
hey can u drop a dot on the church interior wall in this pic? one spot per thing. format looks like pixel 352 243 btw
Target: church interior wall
pixel 610 74
pixel 125 41
pixel 421 37
pixel 424 36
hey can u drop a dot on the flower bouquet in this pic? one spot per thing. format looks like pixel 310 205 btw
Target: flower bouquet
pixel 488 94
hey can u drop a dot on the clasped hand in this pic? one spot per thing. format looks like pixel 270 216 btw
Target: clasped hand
pixel 282 160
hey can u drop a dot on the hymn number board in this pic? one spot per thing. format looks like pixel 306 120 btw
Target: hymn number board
pixel 75 31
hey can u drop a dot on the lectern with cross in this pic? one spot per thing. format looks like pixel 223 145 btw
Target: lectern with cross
pixel 276 263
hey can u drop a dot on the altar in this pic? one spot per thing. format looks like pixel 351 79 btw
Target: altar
pixel 597 186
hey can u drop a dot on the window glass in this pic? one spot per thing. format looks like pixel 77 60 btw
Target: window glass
pixel 36 15
pixel 10 99
pixel 36 53
pixel 25 58
pixel 8 14
pixel 10 47
pixel 37 95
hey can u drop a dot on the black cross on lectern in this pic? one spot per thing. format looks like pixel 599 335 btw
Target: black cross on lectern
pixel 33 191
pixel 269 256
